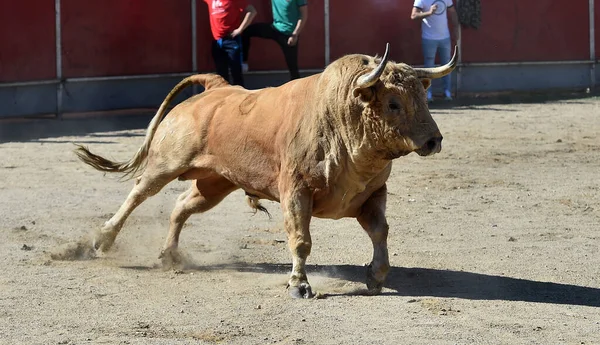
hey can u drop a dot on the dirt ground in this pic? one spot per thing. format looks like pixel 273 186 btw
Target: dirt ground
pixel 495 240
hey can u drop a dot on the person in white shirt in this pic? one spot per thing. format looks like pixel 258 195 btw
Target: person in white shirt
pixel 436 35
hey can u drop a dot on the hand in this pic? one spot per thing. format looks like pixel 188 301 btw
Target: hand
pixel 292 40
pixel 433 9
pixel 236 32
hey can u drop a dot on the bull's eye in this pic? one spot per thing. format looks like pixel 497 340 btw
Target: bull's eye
pixel 394 106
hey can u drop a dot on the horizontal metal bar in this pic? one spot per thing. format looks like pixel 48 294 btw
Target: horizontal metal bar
pixel 318 70
pixel 30 83
pixel 172 75
pixel 526 63
pixel 128 77
pixel 132 77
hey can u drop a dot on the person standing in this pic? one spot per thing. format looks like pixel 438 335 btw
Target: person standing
pixel 228 19
pixel 289 18
pixel 435 34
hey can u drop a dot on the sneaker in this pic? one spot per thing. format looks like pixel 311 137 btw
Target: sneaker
pixel 429 96
pixel 448 95
pixel 244 67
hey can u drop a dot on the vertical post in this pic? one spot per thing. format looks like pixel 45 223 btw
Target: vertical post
pixel 327 33
pixel 459 72
pixel 59 74
pixel 194 43
pixel 592 46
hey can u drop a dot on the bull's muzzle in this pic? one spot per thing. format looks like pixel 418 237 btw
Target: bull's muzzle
pixel 431 146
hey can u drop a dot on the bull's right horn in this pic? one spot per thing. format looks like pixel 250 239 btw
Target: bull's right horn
pixel 441 71
pixel 370 79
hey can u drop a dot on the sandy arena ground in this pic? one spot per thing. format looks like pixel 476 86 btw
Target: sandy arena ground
pixel 493 241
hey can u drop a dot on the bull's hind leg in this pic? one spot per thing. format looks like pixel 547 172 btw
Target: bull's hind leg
pixel 372 219
pixel 146 186
pixel 297 211
pixel 203 195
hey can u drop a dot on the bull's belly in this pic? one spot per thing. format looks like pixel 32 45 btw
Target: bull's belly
pixel 340 206
pixel 335 214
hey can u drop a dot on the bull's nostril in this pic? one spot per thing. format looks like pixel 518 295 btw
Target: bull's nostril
pixel 431 144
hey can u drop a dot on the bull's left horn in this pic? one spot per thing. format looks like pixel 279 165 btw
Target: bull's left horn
pixel 438 72
pixel 370 79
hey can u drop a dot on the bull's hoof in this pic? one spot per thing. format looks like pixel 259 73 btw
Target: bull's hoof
pixel 171 259
pixel 373 285
pixel 103 241
pixel 303 290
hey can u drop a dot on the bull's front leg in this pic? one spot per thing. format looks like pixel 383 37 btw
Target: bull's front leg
pixel 297 212
pixel 372 219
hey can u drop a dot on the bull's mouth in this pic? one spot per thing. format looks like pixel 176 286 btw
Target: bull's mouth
pixel 432 146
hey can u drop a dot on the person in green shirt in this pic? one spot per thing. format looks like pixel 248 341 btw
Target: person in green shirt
pixel 289 18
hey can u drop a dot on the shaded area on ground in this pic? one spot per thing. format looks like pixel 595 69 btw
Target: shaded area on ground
pixel 31 130
pixel 435 283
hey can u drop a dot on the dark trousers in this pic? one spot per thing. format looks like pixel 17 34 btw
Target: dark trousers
pixel 227 54
pixel 266 30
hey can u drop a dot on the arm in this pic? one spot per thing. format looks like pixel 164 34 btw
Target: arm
pixel 248 18
pixel 417 13
pixel 454 20
pixel 299 25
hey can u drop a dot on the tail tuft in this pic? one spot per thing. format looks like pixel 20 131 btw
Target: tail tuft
pixel 102 164
pixel 255 204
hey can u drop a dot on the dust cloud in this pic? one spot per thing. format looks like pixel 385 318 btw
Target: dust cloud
pixel 79 250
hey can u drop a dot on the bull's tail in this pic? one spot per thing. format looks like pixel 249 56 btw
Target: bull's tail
pixel 254 202
pixel 138 161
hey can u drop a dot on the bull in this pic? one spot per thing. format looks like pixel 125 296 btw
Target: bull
pixel 321 146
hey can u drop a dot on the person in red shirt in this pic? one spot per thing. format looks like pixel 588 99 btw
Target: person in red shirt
pixel 228 19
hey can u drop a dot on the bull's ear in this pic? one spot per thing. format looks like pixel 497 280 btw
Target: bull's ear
pixel 426 83
pixel 365 94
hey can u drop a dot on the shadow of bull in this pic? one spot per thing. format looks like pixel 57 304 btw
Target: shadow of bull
pixel 438 283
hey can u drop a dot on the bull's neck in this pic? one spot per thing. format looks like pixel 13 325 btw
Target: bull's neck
pixel 339 115
pixel 357 142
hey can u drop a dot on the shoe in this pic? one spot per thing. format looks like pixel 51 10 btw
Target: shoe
pixel 448 95
pixel 244 67
pixel 429 96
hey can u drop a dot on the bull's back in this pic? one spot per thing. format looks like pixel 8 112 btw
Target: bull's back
pixel 247 130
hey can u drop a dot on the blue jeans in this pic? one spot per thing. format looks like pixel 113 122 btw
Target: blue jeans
pixel 430 48
pixel 227 55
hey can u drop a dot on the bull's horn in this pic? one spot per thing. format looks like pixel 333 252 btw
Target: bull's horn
pixel 441 71
pixel 370 79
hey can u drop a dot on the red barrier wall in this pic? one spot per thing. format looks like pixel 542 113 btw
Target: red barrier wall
pixel 266 54
pixel 511 30
pixel 365 26
pixel 125 37
pixel 129 37
pixel 27 41
pixel 516 30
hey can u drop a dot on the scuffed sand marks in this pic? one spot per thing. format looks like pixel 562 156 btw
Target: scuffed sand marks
pixel 80 250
